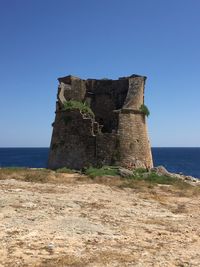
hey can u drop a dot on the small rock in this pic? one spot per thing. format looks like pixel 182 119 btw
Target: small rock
pixel 160 170
pixel 125 172
pixel 50 247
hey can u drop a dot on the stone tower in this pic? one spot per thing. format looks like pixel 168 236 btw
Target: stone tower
pixel 100 122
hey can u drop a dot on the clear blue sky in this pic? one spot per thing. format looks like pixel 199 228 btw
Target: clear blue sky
pixel 41 40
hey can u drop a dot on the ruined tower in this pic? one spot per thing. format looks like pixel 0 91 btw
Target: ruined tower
pixel 100 122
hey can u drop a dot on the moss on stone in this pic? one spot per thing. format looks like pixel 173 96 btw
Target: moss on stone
pixel 144 109
pixel 74 104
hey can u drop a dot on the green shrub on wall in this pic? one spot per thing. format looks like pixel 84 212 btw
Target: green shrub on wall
pixel 74 104
pixel 144 109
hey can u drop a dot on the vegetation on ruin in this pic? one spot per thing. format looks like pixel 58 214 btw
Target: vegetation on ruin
pixel 64 170
pixel 82 107
pixel 152 177
pixel 103 171
pixel 109 175
pixel 144 109
pixel 140 175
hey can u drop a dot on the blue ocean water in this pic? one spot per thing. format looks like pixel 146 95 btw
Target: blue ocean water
pixel 184 160
pixel 24 157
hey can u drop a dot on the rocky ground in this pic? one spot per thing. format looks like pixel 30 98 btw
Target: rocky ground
pixel 79 222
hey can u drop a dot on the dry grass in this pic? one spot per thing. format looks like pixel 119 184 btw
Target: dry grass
pixel 23 174
pixel 102 257
pixel 152 190
pixel 142 216
pixel 69 260
pixel 39 175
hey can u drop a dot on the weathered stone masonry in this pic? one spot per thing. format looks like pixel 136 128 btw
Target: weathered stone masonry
pixel 116 135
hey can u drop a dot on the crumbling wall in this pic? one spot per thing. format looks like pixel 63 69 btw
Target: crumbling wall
pixel 73 141
pixel 116 135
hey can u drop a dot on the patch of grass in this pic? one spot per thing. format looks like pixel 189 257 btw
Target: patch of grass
pixel 64 170
pixel 152 177
pixel 139 171
pixel 107 257
pixel 83 107
pixel 25 174
pixel 144 109
pixel 142 182
pixel 141 178
pixel 160 179
pixel 36 176
pixel 42 169
pixel 41 175
pixel 11 169
pixel 103 171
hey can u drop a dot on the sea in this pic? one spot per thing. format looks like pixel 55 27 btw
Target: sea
pixel 178 160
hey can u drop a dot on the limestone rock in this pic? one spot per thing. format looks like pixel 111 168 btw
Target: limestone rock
pixel 125 172
pixel 84 223
pixel 160 170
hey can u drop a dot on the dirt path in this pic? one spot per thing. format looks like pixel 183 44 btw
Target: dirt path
pixel 88 224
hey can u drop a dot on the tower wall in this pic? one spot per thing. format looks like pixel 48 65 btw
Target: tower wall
pixel 115 135
pixel 135 151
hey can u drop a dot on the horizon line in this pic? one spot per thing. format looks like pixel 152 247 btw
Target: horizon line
pixel 49 147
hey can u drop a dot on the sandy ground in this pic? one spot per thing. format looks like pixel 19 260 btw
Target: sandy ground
pixel 89 224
